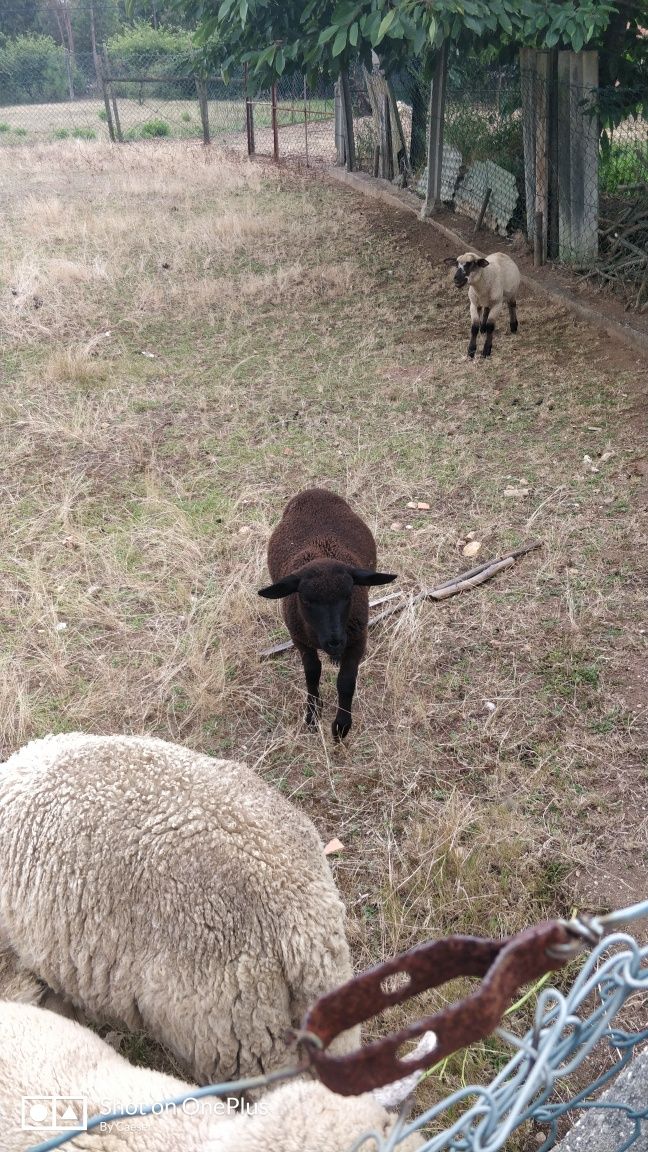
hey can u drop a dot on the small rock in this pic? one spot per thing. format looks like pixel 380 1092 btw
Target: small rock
pixel 516 492
pixel 490 706
pixel 61 626
pixel 396 526
pixel 605 456
pixel 411 504
pixel 422 506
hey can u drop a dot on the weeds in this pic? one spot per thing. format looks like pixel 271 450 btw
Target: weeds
pixel 212 336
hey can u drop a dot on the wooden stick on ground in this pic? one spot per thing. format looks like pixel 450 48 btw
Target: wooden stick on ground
pixel 461 583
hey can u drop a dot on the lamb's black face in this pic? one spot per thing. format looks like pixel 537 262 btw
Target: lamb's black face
pixel 326 610
pixel 463 272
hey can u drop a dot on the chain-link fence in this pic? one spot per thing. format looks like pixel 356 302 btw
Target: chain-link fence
pixel 46 97
pixel 538 149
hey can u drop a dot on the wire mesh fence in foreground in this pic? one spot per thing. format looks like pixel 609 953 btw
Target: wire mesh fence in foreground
pixel 567 1029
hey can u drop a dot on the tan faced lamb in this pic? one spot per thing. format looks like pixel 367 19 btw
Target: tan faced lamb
pixel 42 1054
pixel 492 281
pixel 170 892
pixel 322 558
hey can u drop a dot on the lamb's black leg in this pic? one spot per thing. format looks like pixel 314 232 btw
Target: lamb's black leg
pixel 483 327
pixel 312 671
pixel 513 320
pixel 472 347
pixel 490 328
pixel 346 683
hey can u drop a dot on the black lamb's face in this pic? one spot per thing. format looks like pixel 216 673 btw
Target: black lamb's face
pixel 325 604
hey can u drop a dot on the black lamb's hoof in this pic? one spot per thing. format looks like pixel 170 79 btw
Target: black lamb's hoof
pixel 486 352
pixel 341 727
pixel 471 353
pixel 312 714
pixel 514 326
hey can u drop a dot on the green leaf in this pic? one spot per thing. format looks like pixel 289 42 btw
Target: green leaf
pixel 385 25
pixel 353 33
pixel 432 31
pixel 243 10
pixel 279 62
pixel 327 34
pixel 505 22
pixel 577 40
pixel 225 9
pixel 206 30
pixel 339 44
pixel 552 38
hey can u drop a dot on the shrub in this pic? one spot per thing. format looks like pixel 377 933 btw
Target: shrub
pixel 148 130
pixel 61 134
pixel 163 52
pixel 4 127
pixel 32 69
pixel 102 114
pixel 20 131
pixel 82 133
pixel 621 164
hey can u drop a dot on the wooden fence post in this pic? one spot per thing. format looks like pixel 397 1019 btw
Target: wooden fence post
pixel 386 145
pixel 111 90
pixel 578 156
pixel 541 150
pixel 340 150
pixel 201 89
pixel 528 81
pixel 106 96
pixel 347 120
pixel 435 131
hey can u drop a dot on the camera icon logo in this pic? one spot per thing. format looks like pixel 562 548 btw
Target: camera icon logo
pixel 53 1113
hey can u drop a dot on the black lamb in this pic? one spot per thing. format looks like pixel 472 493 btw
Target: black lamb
pixel 322 559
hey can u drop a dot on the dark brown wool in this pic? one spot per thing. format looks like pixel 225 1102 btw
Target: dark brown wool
pixel 322 559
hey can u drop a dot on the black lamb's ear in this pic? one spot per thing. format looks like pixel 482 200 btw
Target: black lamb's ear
pixel 482 262
pixel 368 579
pixel 451 260
pixel 282 588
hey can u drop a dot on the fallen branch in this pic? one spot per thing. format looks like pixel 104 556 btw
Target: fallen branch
pixel 461 583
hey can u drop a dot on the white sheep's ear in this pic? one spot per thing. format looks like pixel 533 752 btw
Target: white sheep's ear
pixel 368 579
pixel 482 262
pixel 391 1096
pixel 282 588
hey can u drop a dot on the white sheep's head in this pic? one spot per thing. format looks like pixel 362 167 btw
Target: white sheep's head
pixel 467 266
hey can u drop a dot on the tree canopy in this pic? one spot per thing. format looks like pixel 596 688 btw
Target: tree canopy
pixel 274 36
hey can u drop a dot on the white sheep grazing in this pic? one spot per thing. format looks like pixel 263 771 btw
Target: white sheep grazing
pixel 42 1054
pixel 170 892
pixel 491 280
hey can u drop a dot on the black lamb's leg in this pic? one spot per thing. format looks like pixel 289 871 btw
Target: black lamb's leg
pixel 483 327
pixel 346 683
pixel 472 347
pixel 513 320
pixel 312 671
pixel 488 342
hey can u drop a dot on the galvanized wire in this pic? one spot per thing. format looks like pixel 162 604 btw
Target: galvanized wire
pixel 566 1029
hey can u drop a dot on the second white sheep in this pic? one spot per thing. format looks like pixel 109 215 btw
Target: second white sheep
pixel 170 892
pixel 492 282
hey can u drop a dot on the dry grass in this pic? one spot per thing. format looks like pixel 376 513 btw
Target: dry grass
pixel 187 340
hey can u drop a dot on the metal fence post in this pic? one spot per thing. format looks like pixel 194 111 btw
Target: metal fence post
pixel 201 89
pixel 275 131
pixel 249 114
pixel 306 121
